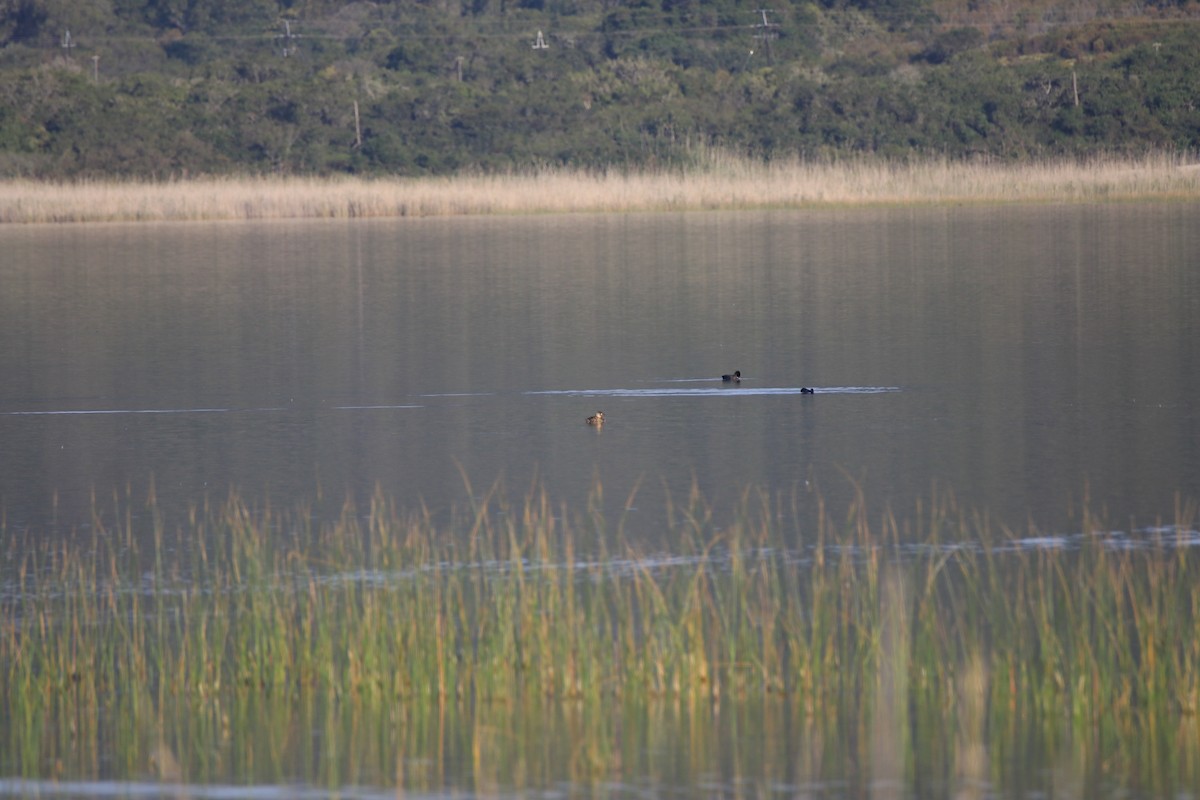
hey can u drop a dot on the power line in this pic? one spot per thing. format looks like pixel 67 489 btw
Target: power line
pixel 765 30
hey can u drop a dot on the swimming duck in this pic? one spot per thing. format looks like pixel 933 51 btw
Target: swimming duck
pixel 596 419
pixel 806 390
pixel 736 377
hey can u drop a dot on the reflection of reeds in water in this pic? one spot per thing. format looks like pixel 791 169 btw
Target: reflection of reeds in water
pixel 970 752
pixel 716 180
pixel 890 729
pixel 228 643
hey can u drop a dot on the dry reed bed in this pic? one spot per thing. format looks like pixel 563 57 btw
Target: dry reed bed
pixel 718 183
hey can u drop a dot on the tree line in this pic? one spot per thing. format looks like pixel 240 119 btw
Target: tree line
pixel 174 87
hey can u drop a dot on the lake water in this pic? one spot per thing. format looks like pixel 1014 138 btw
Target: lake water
pixel 1032 360
pixel 1025 358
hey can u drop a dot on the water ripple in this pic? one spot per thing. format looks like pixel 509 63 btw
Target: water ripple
pixel 391 407
pixel 67 412
pixel 125 789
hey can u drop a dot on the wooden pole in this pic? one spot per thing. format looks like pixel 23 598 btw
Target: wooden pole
pixel 357 128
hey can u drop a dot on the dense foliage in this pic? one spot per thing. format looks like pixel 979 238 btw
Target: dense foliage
pixel 172 87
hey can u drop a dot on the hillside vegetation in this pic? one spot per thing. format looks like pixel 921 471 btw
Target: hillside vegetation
pixel 168 88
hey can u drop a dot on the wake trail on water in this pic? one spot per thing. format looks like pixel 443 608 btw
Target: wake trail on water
pixel 723 391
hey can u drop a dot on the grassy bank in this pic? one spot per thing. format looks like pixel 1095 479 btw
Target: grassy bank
pixel 718 182
pixel 948 626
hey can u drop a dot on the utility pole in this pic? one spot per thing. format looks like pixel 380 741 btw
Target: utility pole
pixel 67 42
pixel 288 36
pixel 95 69
pixel 765 31
pixel 540 44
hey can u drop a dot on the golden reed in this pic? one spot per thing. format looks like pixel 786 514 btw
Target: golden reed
pixel 717 181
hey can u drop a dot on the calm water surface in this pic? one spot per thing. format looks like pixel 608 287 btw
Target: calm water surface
pixel 1029 359
pixel 1025 358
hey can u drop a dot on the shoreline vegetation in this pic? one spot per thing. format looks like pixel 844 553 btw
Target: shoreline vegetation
pixel 716 182
pixel 942 623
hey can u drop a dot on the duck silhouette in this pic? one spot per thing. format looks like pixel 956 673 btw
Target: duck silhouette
pixel 596 419
pixel 806 390
pixel 736 377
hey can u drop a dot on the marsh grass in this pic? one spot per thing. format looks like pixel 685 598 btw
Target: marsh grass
pixel 715 180
pixel 164 646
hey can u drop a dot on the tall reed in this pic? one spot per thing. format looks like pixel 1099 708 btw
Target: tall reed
pixel 936 626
